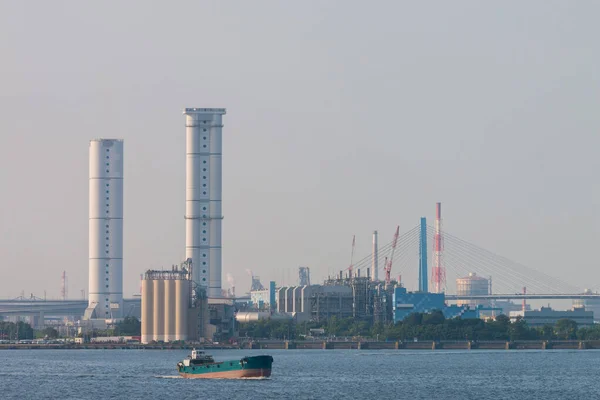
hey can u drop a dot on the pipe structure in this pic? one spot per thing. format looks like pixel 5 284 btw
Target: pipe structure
pixel 423 257
pixel 106 228
pixel 375 260
pixel 438 276
pixel 203 213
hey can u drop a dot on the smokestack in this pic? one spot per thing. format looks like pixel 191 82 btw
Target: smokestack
pixel 203 196
pixel 438 277
pixel 105 229
pixel 375 260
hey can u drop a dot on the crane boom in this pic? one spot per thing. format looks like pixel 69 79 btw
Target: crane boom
pixel 388 263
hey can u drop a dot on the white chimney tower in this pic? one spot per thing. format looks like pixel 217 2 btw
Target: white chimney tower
pixel 203 213
pixel 105 229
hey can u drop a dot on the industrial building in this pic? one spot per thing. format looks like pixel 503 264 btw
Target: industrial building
pixel 548 316
pixel 406 303
pixel 344 297
pixel 264 299
pixel 173 308
pixel 303 276
pixel 589 305
pixel 105 291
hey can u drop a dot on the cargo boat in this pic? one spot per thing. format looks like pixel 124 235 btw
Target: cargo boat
pixel 201 365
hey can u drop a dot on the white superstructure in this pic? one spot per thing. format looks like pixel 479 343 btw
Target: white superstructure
pixel 203 213
pixel 105 229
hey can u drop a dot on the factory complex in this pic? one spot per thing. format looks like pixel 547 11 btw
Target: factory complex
pixel 186 302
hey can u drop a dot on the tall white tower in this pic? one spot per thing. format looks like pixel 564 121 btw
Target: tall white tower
pixel 106 229
pixel 375 259
pixel 203 212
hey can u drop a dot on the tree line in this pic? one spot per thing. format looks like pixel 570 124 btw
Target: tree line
pixel 422 326
pixel 15 331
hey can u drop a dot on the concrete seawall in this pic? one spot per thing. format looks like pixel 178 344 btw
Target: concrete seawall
pixel 332 345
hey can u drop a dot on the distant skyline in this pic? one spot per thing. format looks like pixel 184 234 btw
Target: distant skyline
pixel 342 118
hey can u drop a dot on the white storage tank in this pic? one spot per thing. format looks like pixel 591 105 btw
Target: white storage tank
pixel 159 310
pixel 170 300
pixel 472 285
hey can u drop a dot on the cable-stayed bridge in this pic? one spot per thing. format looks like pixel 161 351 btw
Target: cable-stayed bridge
pixel 460 258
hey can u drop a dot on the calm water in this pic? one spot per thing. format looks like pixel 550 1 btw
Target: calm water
pixel 305 374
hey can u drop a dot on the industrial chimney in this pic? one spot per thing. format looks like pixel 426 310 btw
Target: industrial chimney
pixel 203 213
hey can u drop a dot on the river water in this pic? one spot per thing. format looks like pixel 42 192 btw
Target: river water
pixel 306 374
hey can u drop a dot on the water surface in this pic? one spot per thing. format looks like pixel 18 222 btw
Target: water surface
pixel 306 374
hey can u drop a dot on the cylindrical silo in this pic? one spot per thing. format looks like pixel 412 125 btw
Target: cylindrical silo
pixel 158 321
pixel 170 300
pixel 472 285
pixel 147 311
pixel 203 195
pixel 182 289
pixel 106 227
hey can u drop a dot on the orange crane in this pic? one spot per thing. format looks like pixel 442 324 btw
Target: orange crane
pixel 388 263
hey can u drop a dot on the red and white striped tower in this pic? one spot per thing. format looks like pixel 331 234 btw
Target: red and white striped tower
pixel 438 273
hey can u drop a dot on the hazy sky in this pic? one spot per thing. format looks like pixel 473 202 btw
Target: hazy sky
pixel 342 117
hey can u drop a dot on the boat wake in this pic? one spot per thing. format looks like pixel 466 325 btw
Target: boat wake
pixel 254 378
pixel 169 377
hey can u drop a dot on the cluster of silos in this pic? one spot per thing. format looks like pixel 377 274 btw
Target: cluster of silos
pixel 472 285
pixel 165 305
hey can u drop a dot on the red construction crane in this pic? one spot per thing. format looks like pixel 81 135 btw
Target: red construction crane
pixel 388 263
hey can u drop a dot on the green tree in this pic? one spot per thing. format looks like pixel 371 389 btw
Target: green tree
pixel 130 326
pixel 436 317
pixel 518 330
pixel 50 333
pixel 565 328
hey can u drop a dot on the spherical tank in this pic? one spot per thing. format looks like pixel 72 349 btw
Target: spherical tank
pixel 158 319
pixel 170 299
pixel 182 289
pixel 147 311
pixel 472 285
